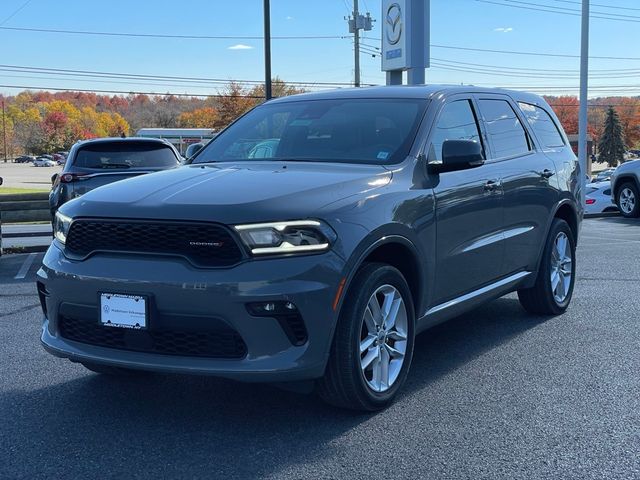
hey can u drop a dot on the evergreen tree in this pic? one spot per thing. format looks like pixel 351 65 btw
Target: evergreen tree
pixel 611 145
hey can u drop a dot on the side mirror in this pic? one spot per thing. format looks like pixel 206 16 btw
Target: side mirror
pixel 193 149
pixel 1 180
pixel 459 155
pixel 54 177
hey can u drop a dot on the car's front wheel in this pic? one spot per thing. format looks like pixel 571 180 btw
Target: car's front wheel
pixel 628 200
pixel 373 341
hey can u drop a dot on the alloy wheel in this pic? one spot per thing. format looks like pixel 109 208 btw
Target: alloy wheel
pixel 561 268
pixel 627 200
pixel 383 338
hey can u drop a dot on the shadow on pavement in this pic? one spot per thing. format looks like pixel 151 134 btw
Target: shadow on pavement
pixel 180 426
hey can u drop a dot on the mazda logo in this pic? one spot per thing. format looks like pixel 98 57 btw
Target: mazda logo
pixel 393 24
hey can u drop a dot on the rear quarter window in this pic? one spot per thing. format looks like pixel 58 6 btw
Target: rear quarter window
pixel 543 125
pixel 125 155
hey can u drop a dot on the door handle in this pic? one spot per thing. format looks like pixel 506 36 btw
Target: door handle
pixel 546 173
pixel 491 185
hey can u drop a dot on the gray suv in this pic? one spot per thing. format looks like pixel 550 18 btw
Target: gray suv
pixel 93 163
pixel 313 239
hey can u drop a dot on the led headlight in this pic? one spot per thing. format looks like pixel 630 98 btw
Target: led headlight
pixel 61 225
pixel 297 236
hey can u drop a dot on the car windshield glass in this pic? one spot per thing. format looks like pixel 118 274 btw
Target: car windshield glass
pixel 378 131
pixel 125 155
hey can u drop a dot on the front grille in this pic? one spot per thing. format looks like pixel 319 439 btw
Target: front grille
pixel 203 244
pixel 224 342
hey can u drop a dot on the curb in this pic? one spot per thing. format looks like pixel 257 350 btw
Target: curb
pixel 602 215
pixel 31 249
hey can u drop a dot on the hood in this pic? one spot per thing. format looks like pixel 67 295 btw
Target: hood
pixel 231 192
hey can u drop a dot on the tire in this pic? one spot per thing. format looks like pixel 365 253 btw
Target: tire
pixel 542 299
pixel 628 200
pixel 346 383
pixel 113 371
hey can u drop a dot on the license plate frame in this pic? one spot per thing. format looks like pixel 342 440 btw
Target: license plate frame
pixel 124 310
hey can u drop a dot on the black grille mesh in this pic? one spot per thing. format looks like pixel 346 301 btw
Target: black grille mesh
pixel 222 343
pixel 204 244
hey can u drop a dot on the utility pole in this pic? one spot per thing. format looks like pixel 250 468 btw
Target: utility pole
pixel 584 83
pixel 356 23
pixel 267 50
pixel 4 132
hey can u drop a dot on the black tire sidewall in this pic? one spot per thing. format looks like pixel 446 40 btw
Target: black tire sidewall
pixel 368 281
pixel 557 227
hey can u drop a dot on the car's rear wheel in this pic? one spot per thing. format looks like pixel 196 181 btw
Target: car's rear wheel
pixel 373 342
pixel 628 200
pixel 552 292
pixel 111 370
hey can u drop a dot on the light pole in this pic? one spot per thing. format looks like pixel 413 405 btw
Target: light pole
pixel 267 50
pixel 584 83
pixel 4 131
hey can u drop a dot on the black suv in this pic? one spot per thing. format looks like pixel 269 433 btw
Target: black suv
pixel 316 236
pixel 93 163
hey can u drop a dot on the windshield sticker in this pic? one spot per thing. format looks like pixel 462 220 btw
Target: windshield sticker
pixel 383 155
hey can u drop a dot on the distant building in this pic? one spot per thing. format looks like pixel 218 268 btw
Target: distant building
pixel 181 138
pixel 573 141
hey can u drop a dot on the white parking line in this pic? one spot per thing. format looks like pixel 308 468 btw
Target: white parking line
pixel 24 269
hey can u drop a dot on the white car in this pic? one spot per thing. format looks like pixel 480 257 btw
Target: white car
pixel 598 198
pixel 44 162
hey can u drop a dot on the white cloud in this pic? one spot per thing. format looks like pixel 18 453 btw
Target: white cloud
pixel 503 29
pixel 290 17
pixel 240 46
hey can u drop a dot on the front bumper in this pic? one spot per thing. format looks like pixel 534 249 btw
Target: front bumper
pixel 177 290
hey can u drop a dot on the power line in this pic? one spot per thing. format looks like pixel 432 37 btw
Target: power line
pixel 15 12
pixel 615 7
pixel 570 9
pixel 183 37
pixel 558 10
pixel 166 94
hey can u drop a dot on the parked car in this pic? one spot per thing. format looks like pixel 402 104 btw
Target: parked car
pixel 59 159
pixel 97 162
pixel 603 176
pixel 24 159
pixel 380 213
pixel 44 162
pixel 598 198
pixel 625 188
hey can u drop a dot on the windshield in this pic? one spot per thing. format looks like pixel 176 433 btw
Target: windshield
pixel 378 131
pixel 125 155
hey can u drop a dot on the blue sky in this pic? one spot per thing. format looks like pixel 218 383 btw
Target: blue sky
pixel 454 23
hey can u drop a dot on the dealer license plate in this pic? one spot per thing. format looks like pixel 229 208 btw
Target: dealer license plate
pixel 124 311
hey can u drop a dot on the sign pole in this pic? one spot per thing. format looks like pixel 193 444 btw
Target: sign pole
pixel 267 50
pixel 584 81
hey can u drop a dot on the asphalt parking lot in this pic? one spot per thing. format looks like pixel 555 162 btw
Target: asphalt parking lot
pixel 496 393
pixel 25 175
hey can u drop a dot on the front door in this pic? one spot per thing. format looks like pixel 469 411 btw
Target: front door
pixel 469 212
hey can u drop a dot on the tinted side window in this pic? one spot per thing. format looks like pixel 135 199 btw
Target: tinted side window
pixel 456 122
pixel 507 134
pixel 543 125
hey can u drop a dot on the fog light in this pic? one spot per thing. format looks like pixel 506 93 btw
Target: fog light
pixel 286 314
pixel 268 309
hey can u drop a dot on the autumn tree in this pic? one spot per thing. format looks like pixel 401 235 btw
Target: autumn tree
pixel 206 117
pixel 566 109
pixel 233 102
pixel 611 146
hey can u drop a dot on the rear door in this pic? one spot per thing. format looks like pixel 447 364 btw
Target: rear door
pixel 468 208
pixel 526 175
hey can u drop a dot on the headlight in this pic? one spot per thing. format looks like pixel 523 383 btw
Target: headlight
pixel 286 237
pixel 61 226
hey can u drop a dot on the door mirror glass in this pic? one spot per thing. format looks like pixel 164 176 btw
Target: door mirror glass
pixel 193 149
